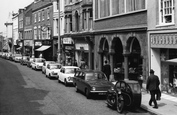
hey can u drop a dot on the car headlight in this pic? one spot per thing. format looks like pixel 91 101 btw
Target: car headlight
pixel 93 88
pixel 53 72
pixel 69 78
pixel 112 88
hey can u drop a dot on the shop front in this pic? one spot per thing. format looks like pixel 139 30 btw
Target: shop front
pixel 164 60
pixel 27 49
pixel 43 48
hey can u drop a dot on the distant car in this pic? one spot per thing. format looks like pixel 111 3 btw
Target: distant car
pixel 29 61
pixel 37 63
pixel 17 57
pixel 126 93
pixel 52 70
pixel 24 60
pixel 91 82
pixel 66 74
pixel 44 66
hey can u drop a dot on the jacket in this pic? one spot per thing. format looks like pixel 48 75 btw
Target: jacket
pixel 152 82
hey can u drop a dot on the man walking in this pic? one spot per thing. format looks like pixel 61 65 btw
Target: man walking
pixel 152 86
pixel 107 69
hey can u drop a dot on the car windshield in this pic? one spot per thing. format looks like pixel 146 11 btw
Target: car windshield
pixel 95 76
pixel 70 70
pixel 55 66
pixel 39 60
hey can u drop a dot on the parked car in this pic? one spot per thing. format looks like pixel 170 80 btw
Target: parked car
pixel 126 93
pixel 91 82
pixel 24 60
pixel 52 70
pixel 44 66
pixel 17 57
pixel 66 74
pixel 29 61
pixel 37 63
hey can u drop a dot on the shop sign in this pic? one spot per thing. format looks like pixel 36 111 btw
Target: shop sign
pixel 82 46
pixel 38 44
pixel 28 43
pixel 163 40
pixel 67 41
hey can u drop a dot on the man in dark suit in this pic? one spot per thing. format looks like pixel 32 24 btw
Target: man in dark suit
pixel 152 86
pixel 107 69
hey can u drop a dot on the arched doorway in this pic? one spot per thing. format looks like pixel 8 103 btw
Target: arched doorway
pixel 104 51
pixel 118 59
pixel 135 58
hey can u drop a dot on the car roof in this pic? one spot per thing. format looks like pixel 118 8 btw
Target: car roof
pixel 70 67
pixel 129 81
pixel 89 70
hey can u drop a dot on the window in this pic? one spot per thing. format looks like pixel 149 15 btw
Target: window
pixel 106 8
pixel 43 15
pixel 39 16
pixel 35 33
pixel 39 32
pixel 166 11
pixel 35 16
pixel 48 13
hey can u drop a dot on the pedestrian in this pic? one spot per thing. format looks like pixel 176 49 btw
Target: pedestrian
pixel 152 86
pixel 107 69
pixel 75 63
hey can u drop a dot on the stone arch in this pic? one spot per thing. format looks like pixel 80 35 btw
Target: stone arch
pixel 134 48
pixel 117 51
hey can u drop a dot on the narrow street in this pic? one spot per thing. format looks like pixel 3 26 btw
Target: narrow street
pixel 24 91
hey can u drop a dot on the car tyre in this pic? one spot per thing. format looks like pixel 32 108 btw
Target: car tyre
pixel 87 93
pixel 59 80
pixel 120 104
pixel 66 84
pixel 76 88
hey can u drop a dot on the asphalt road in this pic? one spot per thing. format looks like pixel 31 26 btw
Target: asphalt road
pixel 24 91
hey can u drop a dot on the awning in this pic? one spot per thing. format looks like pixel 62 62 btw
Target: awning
pixel 172 61
pixel 42 48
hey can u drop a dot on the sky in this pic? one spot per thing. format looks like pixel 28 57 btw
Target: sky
pixel 8 6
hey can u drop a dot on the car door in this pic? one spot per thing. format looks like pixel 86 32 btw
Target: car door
pixel 61 77
pixel 82 82
pixel 127 98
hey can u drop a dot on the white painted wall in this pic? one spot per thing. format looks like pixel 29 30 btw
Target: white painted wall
pixel 155 62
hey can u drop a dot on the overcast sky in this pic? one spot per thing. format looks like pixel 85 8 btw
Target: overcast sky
pixel 8 6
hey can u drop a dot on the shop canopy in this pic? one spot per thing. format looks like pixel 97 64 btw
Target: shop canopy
pixel 42 48
pixel 172 61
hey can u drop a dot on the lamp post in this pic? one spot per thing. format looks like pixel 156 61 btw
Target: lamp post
pixel 59 40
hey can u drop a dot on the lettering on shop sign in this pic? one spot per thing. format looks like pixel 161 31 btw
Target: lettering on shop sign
pixel 163 39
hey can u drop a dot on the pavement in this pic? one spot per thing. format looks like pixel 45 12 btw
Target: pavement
pixel 166 106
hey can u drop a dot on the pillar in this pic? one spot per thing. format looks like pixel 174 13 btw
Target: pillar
pixel 87 19
pixel 111 77
pixel 126 65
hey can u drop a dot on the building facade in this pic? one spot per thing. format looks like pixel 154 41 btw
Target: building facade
pixel 162 35
pixel 120 32
pixel 42 14
pixel 28 43
pixel 77 42
pixel 15 31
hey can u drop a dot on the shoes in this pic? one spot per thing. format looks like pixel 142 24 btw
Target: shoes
pixel 150 104
pixel 155 107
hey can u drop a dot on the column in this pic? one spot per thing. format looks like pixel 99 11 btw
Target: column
pixel 111 77
pixel 68 25
pixel 126 65
pixel 100 52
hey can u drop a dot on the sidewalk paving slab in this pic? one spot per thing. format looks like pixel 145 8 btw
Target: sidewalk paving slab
pixel 166 106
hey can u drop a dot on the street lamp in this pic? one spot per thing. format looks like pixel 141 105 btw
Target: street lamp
pixel 59 41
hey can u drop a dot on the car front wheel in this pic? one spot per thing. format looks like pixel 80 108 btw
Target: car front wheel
pixel 87 93
pixel 76 88
pixel 66 84
pixel 120 104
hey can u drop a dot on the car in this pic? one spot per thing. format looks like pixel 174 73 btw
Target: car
pixel 37 63
pixel 44 66
pixel 66 74
pixel 126 93
pixel 52 70
pixel 29 61
pixel 17 57
pixel 24 60
pixel 91 82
